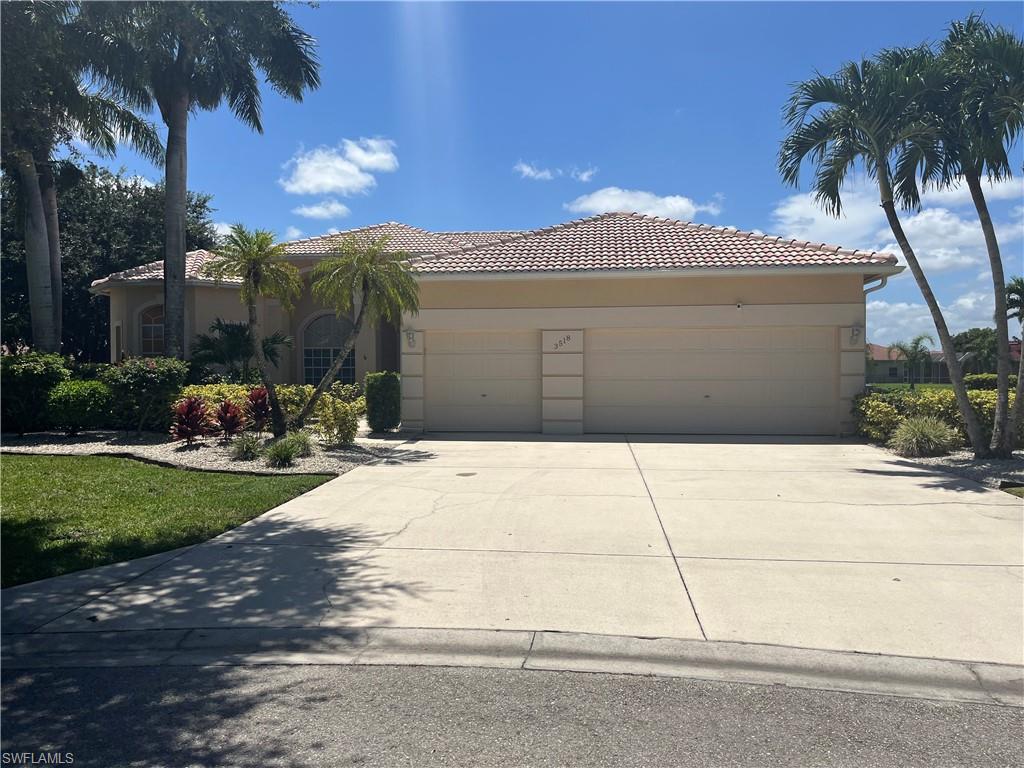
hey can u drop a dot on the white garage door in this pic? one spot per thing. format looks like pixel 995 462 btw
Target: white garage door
pixel 773 381
pixel 482 381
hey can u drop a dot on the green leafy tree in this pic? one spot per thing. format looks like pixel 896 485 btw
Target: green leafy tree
pixel 866 116
pixel 981 345
pixel 108 222
pixel 231 346
pixel 369 279
pixel 189 56
pixel 253 257
pixel 46 53
pixel 916 352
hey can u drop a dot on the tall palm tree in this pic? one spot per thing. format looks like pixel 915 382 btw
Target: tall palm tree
pixel 1015 299
pixel 46 50
pixel 976 106
pixel 197 55
pixel 1015 309
pixel 253 257
pixel 866 116
pixel 915 352
pixel 376 283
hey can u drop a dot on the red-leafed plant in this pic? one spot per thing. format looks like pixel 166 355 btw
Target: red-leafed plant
pixel 190 420
pixel 229 419
pixel 257 408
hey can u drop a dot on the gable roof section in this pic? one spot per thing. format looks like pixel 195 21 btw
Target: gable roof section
pixel 154 270
pixel 401 237
pixel 633 242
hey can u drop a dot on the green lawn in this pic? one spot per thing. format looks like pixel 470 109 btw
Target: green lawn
pixel 64 513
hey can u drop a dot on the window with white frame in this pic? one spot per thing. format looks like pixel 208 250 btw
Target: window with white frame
pixel 321 343
pixel 151 330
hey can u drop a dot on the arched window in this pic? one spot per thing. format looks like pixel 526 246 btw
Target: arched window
pixel 151 328
pixel 321 343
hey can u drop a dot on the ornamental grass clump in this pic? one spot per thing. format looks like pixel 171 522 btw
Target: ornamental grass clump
pixel 303 442
pixel 229 418
pixel 921 436
pixel 248 447
pixel 190 420
pixel 282 453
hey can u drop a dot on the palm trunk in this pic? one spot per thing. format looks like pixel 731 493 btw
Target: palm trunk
pixel 37 257
pixel 1017 411
pixel 956 374
pixel 48 189
pixel 332 372
pixel 277 422
pixel 175 193
pixel 1002 433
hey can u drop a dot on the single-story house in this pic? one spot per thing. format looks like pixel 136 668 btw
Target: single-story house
pixel 614 323
pixel 888 366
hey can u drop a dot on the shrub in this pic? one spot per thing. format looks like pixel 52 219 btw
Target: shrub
pixel 359 406
pixel 347 393
pixel 292 398
pixel 247 447
pixel 26 381
pixel 215 394
pixel 876 418
pixel 257 408
pixel 144 390
pixel 86 371
pixel 924 436
pixel 282 453
pixel 985 381
pixel 337 422
pixel 76 405
pixel 191 420
pixel 303 442
pixel 229 419
pixel 383 400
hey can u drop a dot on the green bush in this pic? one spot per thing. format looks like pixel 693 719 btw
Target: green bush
pixel 247 447
pixel 87 371
pixel 924 436
pixel 347 393
pixel 26 381
pixel 383 401
pixel 336 422
pixel 303 442
pixel 291 397
pixel 77 405
pixel 985 381
pixel 145 389
pixel 281 453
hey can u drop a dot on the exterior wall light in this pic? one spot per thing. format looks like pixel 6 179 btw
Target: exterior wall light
pixel 410 338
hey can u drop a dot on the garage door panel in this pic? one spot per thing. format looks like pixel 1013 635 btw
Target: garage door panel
pixel 729 380
pixel 482 381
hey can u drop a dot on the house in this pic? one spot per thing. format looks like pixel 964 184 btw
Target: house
pixel 614 323
pixel 887 366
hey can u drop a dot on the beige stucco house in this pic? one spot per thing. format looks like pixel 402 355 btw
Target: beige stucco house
pixel 613 323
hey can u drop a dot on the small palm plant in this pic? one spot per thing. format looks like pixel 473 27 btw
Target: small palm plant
pixel 252 256
pixel 230 345
pixel 915 352
pixel 374 280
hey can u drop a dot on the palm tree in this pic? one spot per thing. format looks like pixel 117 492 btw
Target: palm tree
pixel 1015 309
pixel 47 49
pixel 197 55
pixel 977 109
pixel 231 345
pixel 253 257
pixel 916 352
pixel 376 282
pixel 866 115
pixel 1015 299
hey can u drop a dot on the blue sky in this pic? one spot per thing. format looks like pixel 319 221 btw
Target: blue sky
pixel 510 116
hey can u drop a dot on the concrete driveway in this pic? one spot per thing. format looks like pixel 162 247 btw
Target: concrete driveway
pixel 797 542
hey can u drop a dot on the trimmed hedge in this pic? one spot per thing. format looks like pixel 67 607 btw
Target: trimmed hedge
pixel 76 405
pixel 986 381
pixel 383 400
pixel 26 381
pixel 291 397
pixel 145 389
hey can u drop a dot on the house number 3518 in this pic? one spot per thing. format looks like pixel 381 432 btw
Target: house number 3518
pixel 562 341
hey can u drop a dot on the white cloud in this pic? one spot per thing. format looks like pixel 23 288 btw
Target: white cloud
pixel 617 199
pixel 222 228
pixel 343 170
pixel 901 320
pixel 584 175
pixel 800 217
pixel 142 181
pixel 292 233
pixel 527 171
pixel 1006 189
pixel 325 209
pixel 372 154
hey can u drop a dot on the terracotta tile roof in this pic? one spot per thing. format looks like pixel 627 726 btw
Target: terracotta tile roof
pixel 879 353
pixel 402 237
pixel 632 241
pixel 479 238
pixel 154 270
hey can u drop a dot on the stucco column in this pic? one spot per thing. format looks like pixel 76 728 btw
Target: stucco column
pixel 851 374
pixel 412 347
pixel 562 382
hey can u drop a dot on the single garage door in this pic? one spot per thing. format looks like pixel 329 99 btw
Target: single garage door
pixel 482 381
pixel 773 381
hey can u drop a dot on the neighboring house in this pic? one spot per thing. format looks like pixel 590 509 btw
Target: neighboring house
pixel 614 323
pixel 886 366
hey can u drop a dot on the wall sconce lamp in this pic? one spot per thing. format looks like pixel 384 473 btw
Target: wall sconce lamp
pixel 855 334
pixel 410 338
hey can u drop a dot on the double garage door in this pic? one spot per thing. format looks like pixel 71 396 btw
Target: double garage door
pixel 661 380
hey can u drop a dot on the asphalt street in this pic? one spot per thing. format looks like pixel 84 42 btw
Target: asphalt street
pixel 424 716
